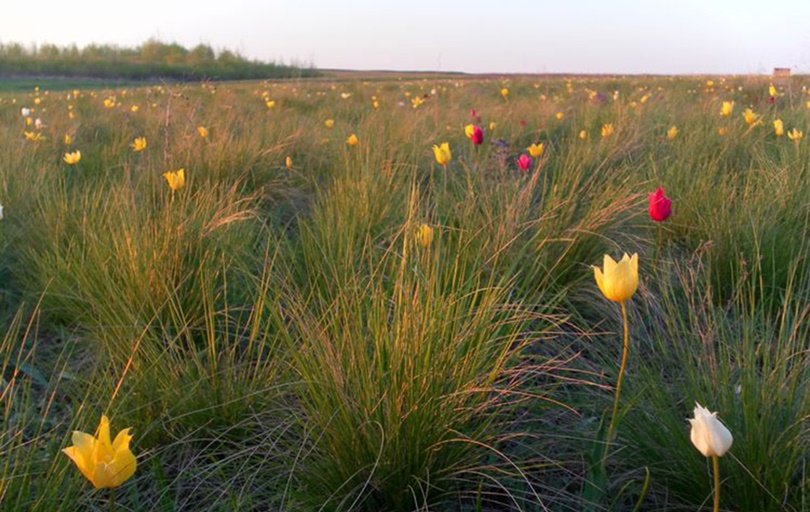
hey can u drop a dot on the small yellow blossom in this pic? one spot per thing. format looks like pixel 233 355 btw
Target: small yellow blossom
pixel 72 158
pixel 583 134
pixel 139 144
pixel 672 132
pixel 727 108
pixel 750 117
pixel 104 463
pixel 425 235
pixel 133 108
pixel 288 162
pixel 722 131
pixel 536 150
pixel 778 127
pixel 34 136
pixel 505 93
pixel 175 179
pixel 607 130
pixel 559 116
pixel 352 140
pixel 492 126
pixel 772 91
pixel 442 153
pixel 68 139
pixel 795 135
pixel 270 104
pixel 329 123
pixel 202 131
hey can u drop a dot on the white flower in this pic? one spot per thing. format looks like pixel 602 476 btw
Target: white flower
pixel 709 436
pixel 38 123
pixel 26 112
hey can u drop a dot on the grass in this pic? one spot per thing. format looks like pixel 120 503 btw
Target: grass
pixel 279 338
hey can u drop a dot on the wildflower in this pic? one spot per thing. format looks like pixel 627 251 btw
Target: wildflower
pixel 475 134
pixel 416 101
pixel 33 136
pixel 727 108
pixel 708 434
pixel 618 281
pixel 778 128
pixel 492 126
pixel 202 131
pixel 583 134
pixel 750 117
pixel 133 109
pixel 505 93
pixel 722 131
pixel 660 206
pixel 104 463
pixel 72 158
pixel 672 132
pixel 139 144
pixel 536 150
pixel 26 112
pixel 68 139
pixel 607 130
pixel 109 102
pixel 352 140
pixel 424 236
pixel 175 179
pixel 559 116
pixel 795 135
pixel 524 162
pixel 38 123
pixel 329 123
pixel 772 91
pixel 442 153
pixel 288 162
pixel 270 104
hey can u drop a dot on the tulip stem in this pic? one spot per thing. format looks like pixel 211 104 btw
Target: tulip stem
pixel 612 426
pixel 112 499
pixel 716 464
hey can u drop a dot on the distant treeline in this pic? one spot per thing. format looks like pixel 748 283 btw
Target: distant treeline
pixel 152 59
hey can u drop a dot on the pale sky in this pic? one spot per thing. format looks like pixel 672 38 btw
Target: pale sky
pixel 506 36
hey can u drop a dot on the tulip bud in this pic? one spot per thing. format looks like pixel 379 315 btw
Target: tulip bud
pixel 709 436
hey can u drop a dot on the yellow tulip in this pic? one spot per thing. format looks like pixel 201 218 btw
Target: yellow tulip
pixel 750 117
pixel 772 91
pixel 425 236
pixel 618 281
pixel 104 463
pixel 442 154
pixel 607 130
pixel 492 126
pixel 778 127
pixel 559 116
pixel 202 131
pixel 72 158
pixel 133 109
pixel 469 130
pixel 139 144
pixel 722 131
pixel 288 162
pixel 329 123
pixel 270 104
pixel 175 179
pixel 795 134
pixel 352 140
pixel 672 132
pixel 536 150
pixel 727 108
pixel 583 134
pixel 505 93
pixel 68 139
pixel 34 136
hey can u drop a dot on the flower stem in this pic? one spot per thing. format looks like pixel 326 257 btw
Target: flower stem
pixel 716 464
pixel 612 427
pixel 112 499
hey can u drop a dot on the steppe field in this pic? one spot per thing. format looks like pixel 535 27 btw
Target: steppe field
pixel 398 293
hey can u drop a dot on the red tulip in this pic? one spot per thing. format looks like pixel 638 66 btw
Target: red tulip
pixel 477 136
pixel 524 162
pixel 660 206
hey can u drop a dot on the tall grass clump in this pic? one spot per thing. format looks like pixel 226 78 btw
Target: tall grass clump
pixel 748 363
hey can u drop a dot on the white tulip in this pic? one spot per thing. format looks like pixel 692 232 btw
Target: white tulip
pixel 26 112
pixel 709 435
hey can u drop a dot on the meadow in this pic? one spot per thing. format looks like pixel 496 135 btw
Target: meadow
pixel 324 311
